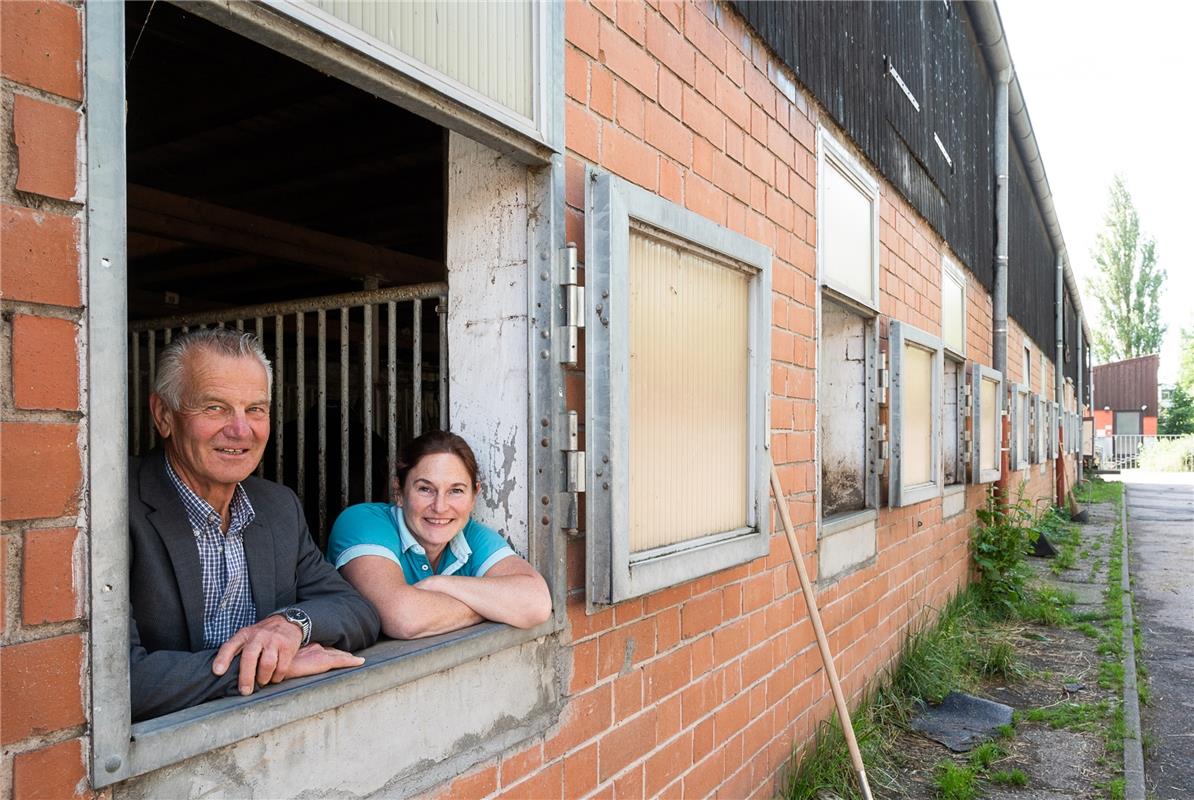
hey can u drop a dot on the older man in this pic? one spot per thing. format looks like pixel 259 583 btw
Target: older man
pixel 228 591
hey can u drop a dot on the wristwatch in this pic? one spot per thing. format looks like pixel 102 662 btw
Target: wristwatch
pixel 298 617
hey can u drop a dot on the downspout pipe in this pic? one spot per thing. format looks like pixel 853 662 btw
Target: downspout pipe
pixel 999 298
pixel 1059 377
pixel 1080 389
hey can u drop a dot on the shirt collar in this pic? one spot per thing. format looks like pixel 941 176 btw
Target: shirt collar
pixel 200 512
pixel 458 544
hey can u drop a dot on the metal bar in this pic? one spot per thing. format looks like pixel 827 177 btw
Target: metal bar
pixel 392 393
pixel 367 400
pixel 279 393
pixel 343 407
pixel 442 309
pixel 321 403
pixel 138 414
pixel 436 289
pixel 416 370
pixel 259 324
pixel 153 378
pixel 169 335
pixel 300 394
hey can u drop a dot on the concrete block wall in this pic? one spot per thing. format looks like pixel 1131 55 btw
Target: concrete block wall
pixel 43 539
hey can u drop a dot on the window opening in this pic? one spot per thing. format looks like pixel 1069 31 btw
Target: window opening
pixel 844 408
pixel 267 202
pixel 953 422
pixel 916 366
pixel 987 391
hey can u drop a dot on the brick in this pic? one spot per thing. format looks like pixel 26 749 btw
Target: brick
pixel 50 773
pixel 705 199
pixel 665 43
pixel 705 777
pixel 3 582
pixel 576 75
pixel 630 110
pixel 583 718
pixel 519 765
pixel 42 690
pixel 668 134
pixel 704 118
pixel 581 131
pixel 671 183
pixel 477 785
pixel 40 253
pixel 40 464
pixel 45 364
pixel 628 694
pixel 546 783
pixel 581 27
pixel 703 33
pixel 700 614
pixel 584 666
pixel 630 740
pixel 601 91
pixel 47 139
pixel 48 591
pixel 630 785
pixel 668 675
pixel 627 59
pixel 671 94
pixel 632 20
pixel 41 45
pixel 629 158
pixel 580 772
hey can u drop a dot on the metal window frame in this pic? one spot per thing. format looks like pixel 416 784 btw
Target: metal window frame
pixel 832 154
pixel 951 270
pixel 1038 420
pixel 960 422
pixel 1053 424
pixel 613 573
pixel 900 335
pixel 979 373
pixel 120 749
pixel 1020 426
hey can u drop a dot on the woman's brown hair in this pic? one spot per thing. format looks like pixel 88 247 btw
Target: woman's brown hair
pixel 431 443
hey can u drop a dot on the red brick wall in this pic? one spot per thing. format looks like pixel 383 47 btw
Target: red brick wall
pixel 42 550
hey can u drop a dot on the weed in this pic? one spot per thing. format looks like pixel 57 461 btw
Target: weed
pixel 1114 789
pixel 1071 716
pixel 996 660
pixel 985 755
pixel 1088 629
pixel 1111 675
pixel 1047 605
pixel 954 782
pixel 1000 540
pixel 1007 731
pixel 1009 777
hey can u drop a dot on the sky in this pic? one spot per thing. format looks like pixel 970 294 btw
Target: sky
pixel 1108 91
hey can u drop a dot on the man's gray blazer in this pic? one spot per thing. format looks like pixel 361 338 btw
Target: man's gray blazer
pixel 169 667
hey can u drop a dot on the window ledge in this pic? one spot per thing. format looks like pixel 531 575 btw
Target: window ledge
pixel 389 664
pixel 847 522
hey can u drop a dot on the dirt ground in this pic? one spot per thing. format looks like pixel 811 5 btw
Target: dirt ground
pixel 1059 665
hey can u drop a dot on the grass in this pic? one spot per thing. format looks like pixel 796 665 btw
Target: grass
pixel 985 755
pixel 1097 490
pixel 954 782
pixel 1009 777
pixel 1071 716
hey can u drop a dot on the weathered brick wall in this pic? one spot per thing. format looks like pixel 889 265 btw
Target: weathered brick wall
pixel 42 545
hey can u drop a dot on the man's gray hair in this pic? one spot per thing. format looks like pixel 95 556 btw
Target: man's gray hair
pixel 168 382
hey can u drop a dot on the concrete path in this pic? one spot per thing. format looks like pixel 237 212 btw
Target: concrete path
pixel 1161 523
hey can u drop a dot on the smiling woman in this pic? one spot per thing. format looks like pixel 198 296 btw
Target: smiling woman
pixel 423 562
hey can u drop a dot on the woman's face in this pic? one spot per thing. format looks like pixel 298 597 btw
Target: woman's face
pixel 437 499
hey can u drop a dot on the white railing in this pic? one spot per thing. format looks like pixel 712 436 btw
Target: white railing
pixel 1122 451
pixel 378 381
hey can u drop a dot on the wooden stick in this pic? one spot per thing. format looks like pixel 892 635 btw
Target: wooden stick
pixel 839 699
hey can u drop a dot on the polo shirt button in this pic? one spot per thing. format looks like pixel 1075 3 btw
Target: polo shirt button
pixel 424 567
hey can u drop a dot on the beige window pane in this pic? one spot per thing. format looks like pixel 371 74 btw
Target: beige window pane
pixel 916 442
pixel 953 318
pixel 989 443
pixel 689 364
pixel 847 234
pixel 487 46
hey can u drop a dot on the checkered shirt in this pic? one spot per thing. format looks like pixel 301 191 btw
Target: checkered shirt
pixel 227 597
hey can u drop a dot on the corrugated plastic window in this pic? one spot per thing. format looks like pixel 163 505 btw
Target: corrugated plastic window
pixel 953 308
pixel 916 365
pixel 848 224
pixel 689 346
pixel 987 390
pixel 1021 428
pixel 677 365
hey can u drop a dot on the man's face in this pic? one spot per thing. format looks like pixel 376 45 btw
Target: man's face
pixel 217 436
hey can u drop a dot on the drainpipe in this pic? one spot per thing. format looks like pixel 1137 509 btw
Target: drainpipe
pixel 1058 375
pixel 999 300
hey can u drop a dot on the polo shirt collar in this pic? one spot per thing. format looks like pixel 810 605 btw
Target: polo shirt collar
pixel 458 545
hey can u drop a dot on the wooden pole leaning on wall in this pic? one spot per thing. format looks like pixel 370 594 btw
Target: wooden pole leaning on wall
pixel 839 699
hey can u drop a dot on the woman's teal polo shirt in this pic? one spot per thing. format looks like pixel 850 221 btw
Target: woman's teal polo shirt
pixel 378 529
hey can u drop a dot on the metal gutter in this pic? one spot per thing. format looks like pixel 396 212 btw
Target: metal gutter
pixel 988 28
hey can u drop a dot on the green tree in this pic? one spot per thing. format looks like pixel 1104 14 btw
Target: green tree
pixel 1185 369
pixel 1127 283
pixel 1177 416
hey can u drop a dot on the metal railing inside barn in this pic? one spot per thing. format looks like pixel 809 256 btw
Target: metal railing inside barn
pixel 355 375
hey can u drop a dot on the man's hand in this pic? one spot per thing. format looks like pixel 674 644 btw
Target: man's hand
pixel 315 659
pixel 266 651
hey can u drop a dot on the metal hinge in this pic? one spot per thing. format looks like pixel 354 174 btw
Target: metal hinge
pixel 964 398
pixel 884 382
pixel 574 469
pixel 574 308
pixel 884 448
